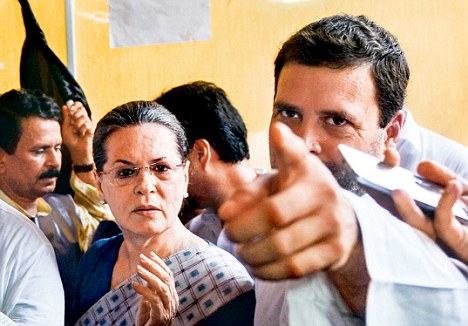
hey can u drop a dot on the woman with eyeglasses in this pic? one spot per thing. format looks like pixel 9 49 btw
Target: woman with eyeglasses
pixel 155 272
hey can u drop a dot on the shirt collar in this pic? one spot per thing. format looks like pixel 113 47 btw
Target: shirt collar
pixel 43 209
pixel 410 131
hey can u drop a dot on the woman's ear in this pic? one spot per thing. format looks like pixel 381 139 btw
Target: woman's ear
pixel 393 128
pixel 186 176
pixel 99 186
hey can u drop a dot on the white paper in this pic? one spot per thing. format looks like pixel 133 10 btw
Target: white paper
pixel 149 22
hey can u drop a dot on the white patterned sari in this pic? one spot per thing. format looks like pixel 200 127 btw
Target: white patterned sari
pixel 205 279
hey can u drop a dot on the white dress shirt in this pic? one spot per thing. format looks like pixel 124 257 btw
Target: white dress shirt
pixel 416 144
pixel 412 282
pixel 31 292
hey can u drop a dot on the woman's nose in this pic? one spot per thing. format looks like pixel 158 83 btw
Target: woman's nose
pixel 145 181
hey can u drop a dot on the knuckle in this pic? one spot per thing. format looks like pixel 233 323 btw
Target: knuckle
pixel 335 225
pixel 274 214
pixel 330 192
pixel 280 243
pixel 166 291
pixel 338 248
pixel 294 266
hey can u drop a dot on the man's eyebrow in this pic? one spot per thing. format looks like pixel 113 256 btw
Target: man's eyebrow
pixel 39 146
pixel 284 106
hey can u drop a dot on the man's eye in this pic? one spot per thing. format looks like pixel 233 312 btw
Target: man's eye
pixel 39 151
pixel 125 173
pixel 337 121
pixel 288 114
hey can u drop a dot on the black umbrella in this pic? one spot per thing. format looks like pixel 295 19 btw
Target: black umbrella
pixel 41 69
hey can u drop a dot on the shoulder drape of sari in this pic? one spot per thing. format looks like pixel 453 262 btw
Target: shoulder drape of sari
pixel 205 279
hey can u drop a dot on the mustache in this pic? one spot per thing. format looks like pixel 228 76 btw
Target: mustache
pixel 52 173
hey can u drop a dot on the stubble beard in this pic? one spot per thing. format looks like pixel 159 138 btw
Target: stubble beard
pixel 344 175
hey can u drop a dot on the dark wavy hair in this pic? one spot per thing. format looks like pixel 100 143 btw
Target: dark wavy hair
pixel 16 105
pixel 206 112
pixel 344 41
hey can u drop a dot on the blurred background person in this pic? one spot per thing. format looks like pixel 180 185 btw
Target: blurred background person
pixel 218 153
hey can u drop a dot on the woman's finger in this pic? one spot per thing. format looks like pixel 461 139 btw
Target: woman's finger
pixel 157 267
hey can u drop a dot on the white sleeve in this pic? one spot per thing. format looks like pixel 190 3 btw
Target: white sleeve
pixel 40 297
pixel 412 280
pixel 31 291
pixel 5 321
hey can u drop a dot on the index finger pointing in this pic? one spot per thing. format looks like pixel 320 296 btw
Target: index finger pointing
pixel 288 149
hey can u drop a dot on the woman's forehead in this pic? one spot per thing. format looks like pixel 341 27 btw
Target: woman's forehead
pixel 148 141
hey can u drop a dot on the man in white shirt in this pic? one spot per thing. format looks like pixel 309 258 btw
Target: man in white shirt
pixel 31 292
pixel 342 79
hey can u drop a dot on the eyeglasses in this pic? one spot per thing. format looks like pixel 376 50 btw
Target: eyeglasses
pixel 124 175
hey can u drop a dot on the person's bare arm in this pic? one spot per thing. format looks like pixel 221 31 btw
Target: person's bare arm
pixel 77 134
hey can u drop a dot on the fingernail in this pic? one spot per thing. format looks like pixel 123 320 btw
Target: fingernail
pixel 143 257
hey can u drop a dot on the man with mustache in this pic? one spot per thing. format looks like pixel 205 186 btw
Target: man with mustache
pixel 339 80
pixel 31 131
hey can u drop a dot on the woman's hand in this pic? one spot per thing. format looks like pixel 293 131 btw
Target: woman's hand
pixel 160 300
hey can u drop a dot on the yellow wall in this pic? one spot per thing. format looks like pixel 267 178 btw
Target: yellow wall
pixel 246 35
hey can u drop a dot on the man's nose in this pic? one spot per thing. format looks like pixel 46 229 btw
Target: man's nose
pixel 310 138
pixel 54 158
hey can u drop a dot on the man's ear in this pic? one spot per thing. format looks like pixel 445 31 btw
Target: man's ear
pixel 394 126
pixel 201 152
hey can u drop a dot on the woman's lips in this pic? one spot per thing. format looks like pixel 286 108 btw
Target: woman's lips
pixel 146 209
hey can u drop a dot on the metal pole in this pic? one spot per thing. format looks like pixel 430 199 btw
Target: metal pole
pixel 70 30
